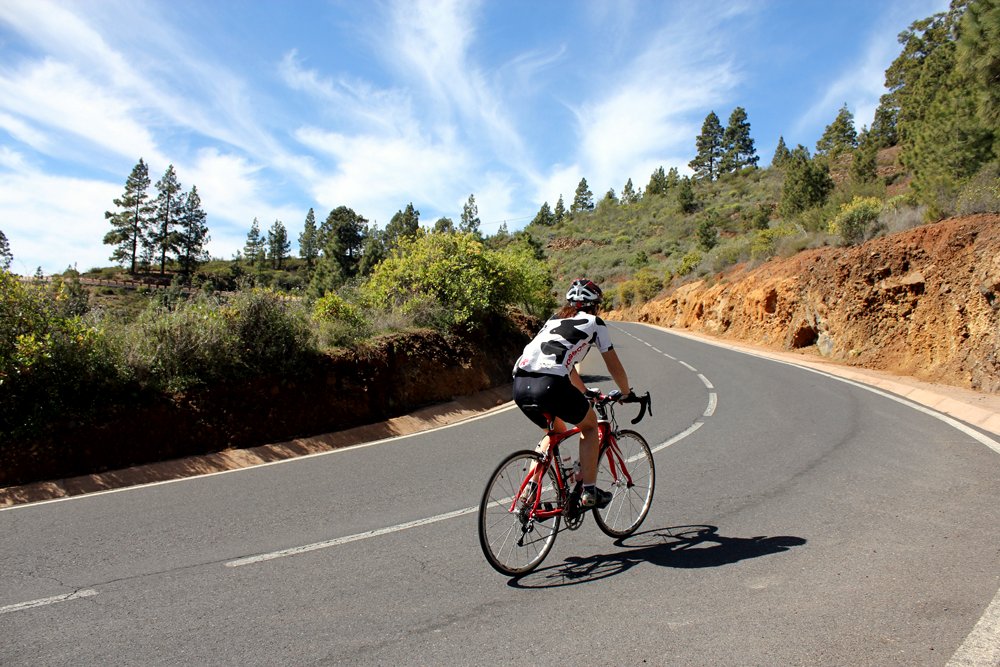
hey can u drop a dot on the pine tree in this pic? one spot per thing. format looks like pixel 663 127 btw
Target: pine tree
pixel 979 56
pixel 628 194
pixel 685 196
pixel 254 250
pixel 444 225
pixel 673 178
pixel 404 224
pixel 864 165
pixel 807 183
pixel 560 210
pixel 131 223
pixel 839 136
pixel 345 233
pixel 708 233
pixel 469 221
pixel 781 154
pixel 169 206
pixel 309 240
pixel 657 183
pixel 374 251
pixel 709 146
pixel 6 257
pixel 545 217
pixel 278 244
pixel 738 147
pixel 193 235
pixel 938 100
pixel 583 200
pixel 883 130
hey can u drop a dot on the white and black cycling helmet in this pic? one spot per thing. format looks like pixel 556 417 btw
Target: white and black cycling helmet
pixel 584 293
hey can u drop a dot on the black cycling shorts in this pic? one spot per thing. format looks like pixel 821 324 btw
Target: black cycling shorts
pixel 538 394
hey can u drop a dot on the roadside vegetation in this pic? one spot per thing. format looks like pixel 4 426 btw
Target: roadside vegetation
pixel 66 349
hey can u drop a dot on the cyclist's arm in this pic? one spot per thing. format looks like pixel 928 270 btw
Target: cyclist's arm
pixel 576 380
pixel 616 369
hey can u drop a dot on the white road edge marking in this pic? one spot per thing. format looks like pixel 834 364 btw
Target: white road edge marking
pixel 294 551
pixel 981 647
pixel 31 604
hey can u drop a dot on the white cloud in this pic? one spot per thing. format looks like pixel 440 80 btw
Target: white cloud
pixel 49 97
pixel 54 222
pixel 647 118
pixel 233 192
pixel 376 176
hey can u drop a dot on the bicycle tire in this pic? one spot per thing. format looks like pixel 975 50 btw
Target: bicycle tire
pixel 629 503
pixel 512 544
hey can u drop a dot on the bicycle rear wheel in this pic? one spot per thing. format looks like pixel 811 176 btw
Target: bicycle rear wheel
pixel 630 501
pixel 512 542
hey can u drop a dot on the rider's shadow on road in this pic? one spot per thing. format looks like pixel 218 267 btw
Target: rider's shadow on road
pixel 680 547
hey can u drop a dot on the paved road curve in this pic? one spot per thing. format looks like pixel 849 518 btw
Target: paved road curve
pixel 799 520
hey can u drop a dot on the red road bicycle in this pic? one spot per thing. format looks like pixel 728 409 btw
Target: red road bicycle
pixel 530 493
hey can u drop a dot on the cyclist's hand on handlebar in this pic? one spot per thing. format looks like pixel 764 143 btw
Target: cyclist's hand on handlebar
pixel 592 392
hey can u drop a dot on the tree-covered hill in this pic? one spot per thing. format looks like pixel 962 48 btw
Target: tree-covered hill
pixel 932 151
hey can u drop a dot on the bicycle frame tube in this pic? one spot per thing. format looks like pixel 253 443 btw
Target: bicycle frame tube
pixel 614 453
pixel 537 473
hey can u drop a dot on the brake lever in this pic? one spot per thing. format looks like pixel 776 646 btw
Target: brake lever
pixel 645 404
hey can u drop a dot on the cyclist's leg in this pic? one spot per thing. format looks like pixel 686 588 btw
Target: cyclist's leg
pixel 589 447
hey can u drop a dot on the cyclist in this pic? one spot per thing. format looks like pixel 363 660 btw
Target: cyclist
pixel 546 380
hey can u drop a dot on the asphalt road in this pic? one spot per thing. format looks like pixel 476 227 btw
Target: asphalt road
pixel 798 520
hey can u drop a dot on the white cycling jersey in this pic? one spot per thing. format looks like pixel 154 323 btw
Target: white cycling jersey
pixel 562 343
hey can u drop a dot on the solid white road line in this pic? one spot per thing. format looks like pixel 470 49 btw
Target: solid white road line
pixel 31 604
pixel 294 551
pixel 982 647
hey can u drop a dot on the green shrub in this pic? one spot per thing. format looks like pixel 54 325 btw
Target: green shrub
pixel 175 348
pixel 453 280
pixel 51 364
pixel 982 193
pixel 333 308
pixel 338 322
pixel 647 284
pixel 857 220
pixel 689 262
pixel 271 331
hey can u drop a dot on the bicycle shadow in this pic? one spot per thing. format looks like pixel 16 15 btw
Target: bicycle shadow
pixel 677 547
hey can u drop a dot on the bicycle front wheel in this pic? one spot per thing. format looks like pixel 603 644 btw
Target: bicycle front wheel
pixel 513 542
pixel 628 472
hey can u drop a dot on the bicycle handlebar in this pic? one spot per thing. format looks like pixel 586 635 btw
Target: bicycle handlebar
pixel 644 401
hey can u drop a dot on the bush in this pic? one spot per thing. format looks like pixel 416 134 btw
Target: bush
pixel 689 262
pixel 272 332
pixel 982 193
pixel 50 363
pixel 450 280
pixel 338 322
pixel 205 340
pixel 857 220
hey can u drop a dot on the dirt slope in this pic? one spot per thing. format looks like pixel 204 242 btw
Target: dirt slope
pixel 924 303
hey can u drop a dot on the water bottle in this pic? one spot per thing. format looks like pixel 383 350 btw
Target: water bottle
pixel 570 469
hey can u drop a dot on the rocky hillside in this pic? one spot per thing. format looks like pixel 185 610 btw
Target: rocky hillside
pixel 924 303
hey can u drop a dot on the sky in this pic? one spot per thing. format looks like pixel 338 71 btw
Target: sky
pixel 274 107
